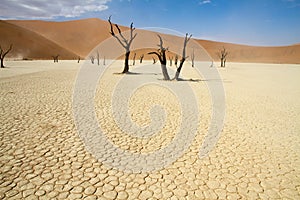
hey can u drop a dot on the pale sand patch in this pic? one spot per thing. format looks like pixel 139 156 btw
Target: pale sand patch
pixel 257 156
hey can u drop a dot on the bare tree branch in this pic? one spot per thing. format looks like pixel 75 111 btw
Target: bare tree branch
pixel 3 53
pixel 126 43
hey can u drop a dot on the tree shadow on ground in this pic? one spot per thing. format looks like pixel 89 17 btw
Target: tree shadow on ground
pixel 135 73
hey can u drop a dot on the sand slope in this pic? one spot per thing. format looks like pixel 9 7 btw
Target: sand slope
pixel 30 45
pixel 244 53
pixel 81 36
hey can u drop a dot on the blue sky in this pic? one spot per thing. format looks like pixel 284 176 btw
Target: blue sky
pixel 253 22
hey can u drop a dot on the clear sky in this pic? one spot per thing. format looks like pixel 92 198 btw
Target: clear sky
pixel 253 22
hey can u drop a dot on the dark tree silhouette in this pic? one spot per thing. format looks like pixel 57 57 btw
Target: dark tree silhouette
pixel 92 58
pixel 3 53
pixel 161 54
pixel 141 58
pixel 222 54
pixel 98 58
pixel 133 62
pixel 104 60
pixel 154 61
pixel 126 43
pixel 55 58
pixel 176 60
pixel 78 60
pixel 171 59
pixel 193 58
pixel 183 57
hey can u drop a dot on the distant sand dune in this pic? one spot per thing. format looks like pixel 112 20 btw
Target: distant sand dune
pixel 30 45
pixel 81 36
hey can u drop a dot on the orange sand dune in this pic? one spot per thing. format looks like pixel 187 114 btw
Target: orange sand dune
pixel 244 53
pixel 81 36
pixel 29 45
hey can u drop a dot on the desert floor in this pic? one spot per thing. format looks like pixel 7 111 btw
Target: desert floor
pixel 257 155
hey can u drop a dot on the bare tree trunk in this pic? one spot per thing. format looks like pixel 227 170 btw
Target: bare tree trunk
pixel 126 64
pixel 126 43
pixel 141 58
pixel 154 61
pixel 223 53
pixel 2 62
pixel 161 54
pixel 133 63
pixel 165 72
pixel 55 58
pixel 193 58
pixel 186 40
pixel 78 60
pixel 171 59
pixel 92 59
pixel 179 69
pixel 3 53
pixel 104 60
pixel 163 65
pixel 176 60
pixel 98 58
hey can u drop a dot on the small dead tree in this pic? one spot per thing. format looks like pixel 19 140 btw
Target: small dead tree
pixel 171 59
pixel 193 58
pixel 133 62
pixel 92 58
pixel 55 58
pixel 154 61
pixel 176 60
pixel 78 60
pixel 222 54
pixel 161 55
pixel 98 58
pixel 141 58
pixel 3 53
pixel 183 57
pixel 104 60
pixel 126 43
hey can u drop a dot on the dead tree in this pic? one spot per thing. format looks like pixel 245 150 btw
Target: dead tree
pixel 171 59
pixel 126 43
pixel 183 57
pixel 176 60
pixel 222 54
pixel 161 54
pixel 92 58
pixel 98 58
pixel 133 62
pixel 55 58
pixel 193 58
pixel 154 61
pixel 141 58
pixel 104 60
pixel 3 53
pixel 78 60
